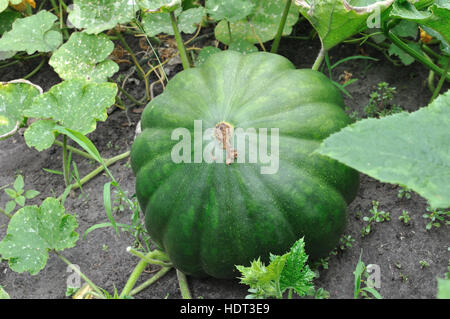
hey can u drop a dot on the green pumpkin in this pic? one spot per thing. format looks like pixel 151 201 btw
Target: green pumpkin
pixel 209 217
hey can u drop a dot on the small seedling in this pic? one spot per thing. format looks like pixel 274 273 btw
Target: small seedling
pixel 404 192
pixel 377 216
pixel 423 264
pixel 18 195
pixel 379 103
pixel 405 218
pixel 346 241
pixel 436 217
pixel 360 272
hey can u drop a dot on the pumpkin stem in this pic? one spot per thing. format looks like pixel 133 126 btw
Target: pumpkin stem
pixel 224 133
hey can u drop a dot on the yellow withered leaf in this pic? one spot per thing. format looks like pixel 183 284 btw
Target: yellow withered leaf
pixel 23 5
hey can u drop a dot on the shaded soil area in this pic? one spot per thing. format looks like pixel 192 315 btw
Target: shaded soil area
pixel 397 248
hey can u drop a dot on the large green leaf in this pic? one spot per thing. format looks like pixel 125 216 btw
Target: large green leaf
pixel 231 10
pixel 33 231
pixel 84 56
pixel 15 97
pixel 156 23
pixel 261 25
pixel 336 20
pixel 407 149
pixel 33 33
pixel 437 16
pixel 73 104
pixel 98 16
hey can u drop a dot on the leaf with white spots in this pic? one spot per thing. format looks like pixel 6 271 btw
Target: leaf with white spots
pixel 15 97
pixel 231 10
pixel 159 5
pixel 73 104
pixel 98 16
pixel 261 25
pixel 242 46
pixel 156 23
pixel 40 134
pixel 33 33
pixel 34 231
pixel 84 56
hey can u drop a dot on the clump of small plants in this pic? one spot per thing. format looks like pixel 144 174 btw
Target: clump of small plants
pixel 404 217
pixel 436 218
pixel 380 103
pixel 377 217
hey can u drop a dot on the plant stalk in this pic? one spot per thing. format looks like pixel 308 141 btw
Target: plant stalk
pixel 441 82
pixel 136 62
pixel 416 55
pixel 149 282
pixel 74 150
pixel 319 59
pixel 5 213
pixel 36 69
pixel 133 278
pixel 181 48
pixel 277 40
pixel 90 283
pixel 184 288
pixel 66 165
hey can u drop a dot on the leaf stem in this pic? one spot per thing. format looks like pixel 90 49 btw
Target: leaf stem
pixel 319 59
pixel 277 40
pixel 144 260
pixel 416 55
pixel 138 66
pixel 181 48
pixel 36 69
pixel 66 165
pixel 98 170
pixel 74 150
pixel 5 213
pixel 182 281
pixel 90 283
pixel 149 282
pixel 441 82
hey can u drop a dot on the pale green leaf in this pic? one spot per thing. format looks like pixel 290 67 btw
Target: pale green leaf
pixel 40 134
pixel 30 194
pixel 189 20
pixel 156 23
pixel 159 5
pixel 3 294
pixel 205 53
pixel 15 97
pixel 231 10
pixel 98 16
pixel 3 5
pixel 406 149
pixel 33 33
pixel 443 288
pixel 84 56
pixel 242 46
pixel 19 183
pixel 337 20
pixel 261 25
pixel 75 104
pixel 33 231
pixel 9 207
